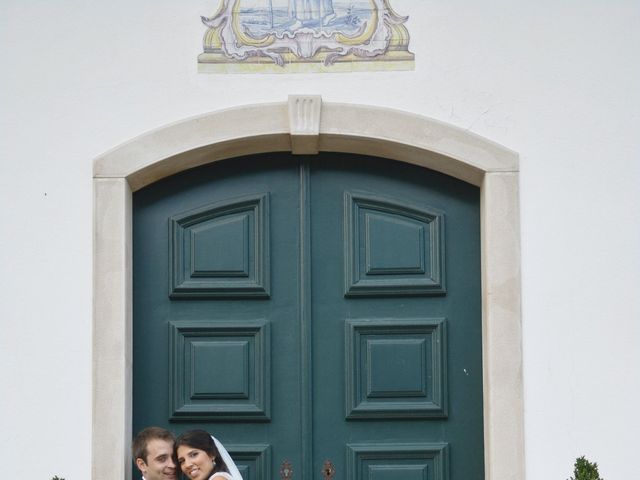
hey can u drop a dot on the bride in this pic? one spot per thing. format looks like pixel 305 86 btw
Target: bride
pixel 202 457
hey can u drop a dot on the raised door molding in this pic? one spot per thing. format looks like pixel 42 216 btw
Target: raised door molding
pixel 419 461
pixel 197 389
pixel 396 368
pixel 370 222
pixel 221 250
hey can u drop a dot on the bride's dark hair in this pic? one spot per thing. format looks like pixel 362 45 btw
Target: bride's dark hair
pixel 202 441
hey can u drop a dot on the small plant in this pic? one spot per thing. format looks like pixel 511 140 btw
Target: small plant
pixel 56 477
pixel 585 470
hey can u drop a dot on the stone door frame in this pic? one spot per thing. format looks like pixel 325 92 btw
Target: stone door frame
pixel 305 125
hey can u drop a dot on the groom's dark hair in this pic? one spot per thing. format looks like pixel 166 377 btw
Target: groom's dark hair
pixel 139 444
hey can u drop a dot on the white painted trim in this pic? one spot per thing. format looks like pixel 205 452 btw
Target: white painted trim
pixel 343 128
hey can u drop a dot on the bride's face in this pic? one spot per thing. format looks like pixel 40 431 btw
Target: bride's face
pixel 195 463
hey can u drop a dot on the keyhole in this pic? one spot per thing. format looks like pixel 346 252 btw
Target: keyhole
pixel 328 470
pixel 286 470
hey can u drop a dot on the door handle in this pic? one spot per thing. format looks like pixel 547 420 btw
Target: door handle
pixel 328 470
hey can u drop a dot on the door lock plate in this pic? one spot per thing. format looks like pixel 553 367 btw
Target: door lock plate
pixel 286 470
pixel 328 470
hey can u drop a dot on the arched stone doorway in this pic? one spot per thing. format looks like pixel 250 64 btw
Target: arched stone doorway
pixel 305 125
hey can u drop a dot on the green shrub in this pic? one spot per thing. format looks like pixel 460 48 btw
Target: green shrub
pixel 585 470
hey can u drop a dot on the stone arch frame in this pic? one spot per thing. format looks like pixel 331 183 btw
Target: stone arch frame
pixel 304 125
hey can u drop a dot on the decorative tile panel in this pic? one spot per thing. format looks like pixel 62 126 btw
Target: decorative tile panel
pixel 253 461
pixel 392 461
pixel 219 371
pixel 302 37
pixel 392 248
pixel 221 250
pixel 396 368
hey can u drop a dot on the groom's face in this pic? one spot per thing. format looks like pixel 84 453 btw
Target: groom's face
pixel 159 464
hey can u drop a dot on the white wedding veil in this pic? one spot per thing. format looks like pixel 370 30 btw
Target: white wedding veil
pixel 231 465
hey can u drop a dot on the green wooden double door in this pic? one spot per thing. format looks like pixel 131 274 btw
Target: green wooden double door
pixel 319 315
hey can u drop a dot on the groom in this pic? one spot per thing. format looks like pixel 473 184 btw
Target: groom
pixel 152 452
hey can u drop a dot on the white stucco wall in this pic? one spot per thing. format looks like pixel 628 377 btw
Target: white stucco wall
pixel 554 81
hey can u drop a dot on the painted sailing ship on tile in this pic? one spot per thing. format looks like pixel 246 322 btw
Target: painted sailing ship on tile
pixel 290 36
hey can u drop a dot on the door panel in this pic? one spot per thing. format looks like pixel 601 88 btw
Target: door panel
pixel 215 345
pixel 396 322
pixel 313 309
